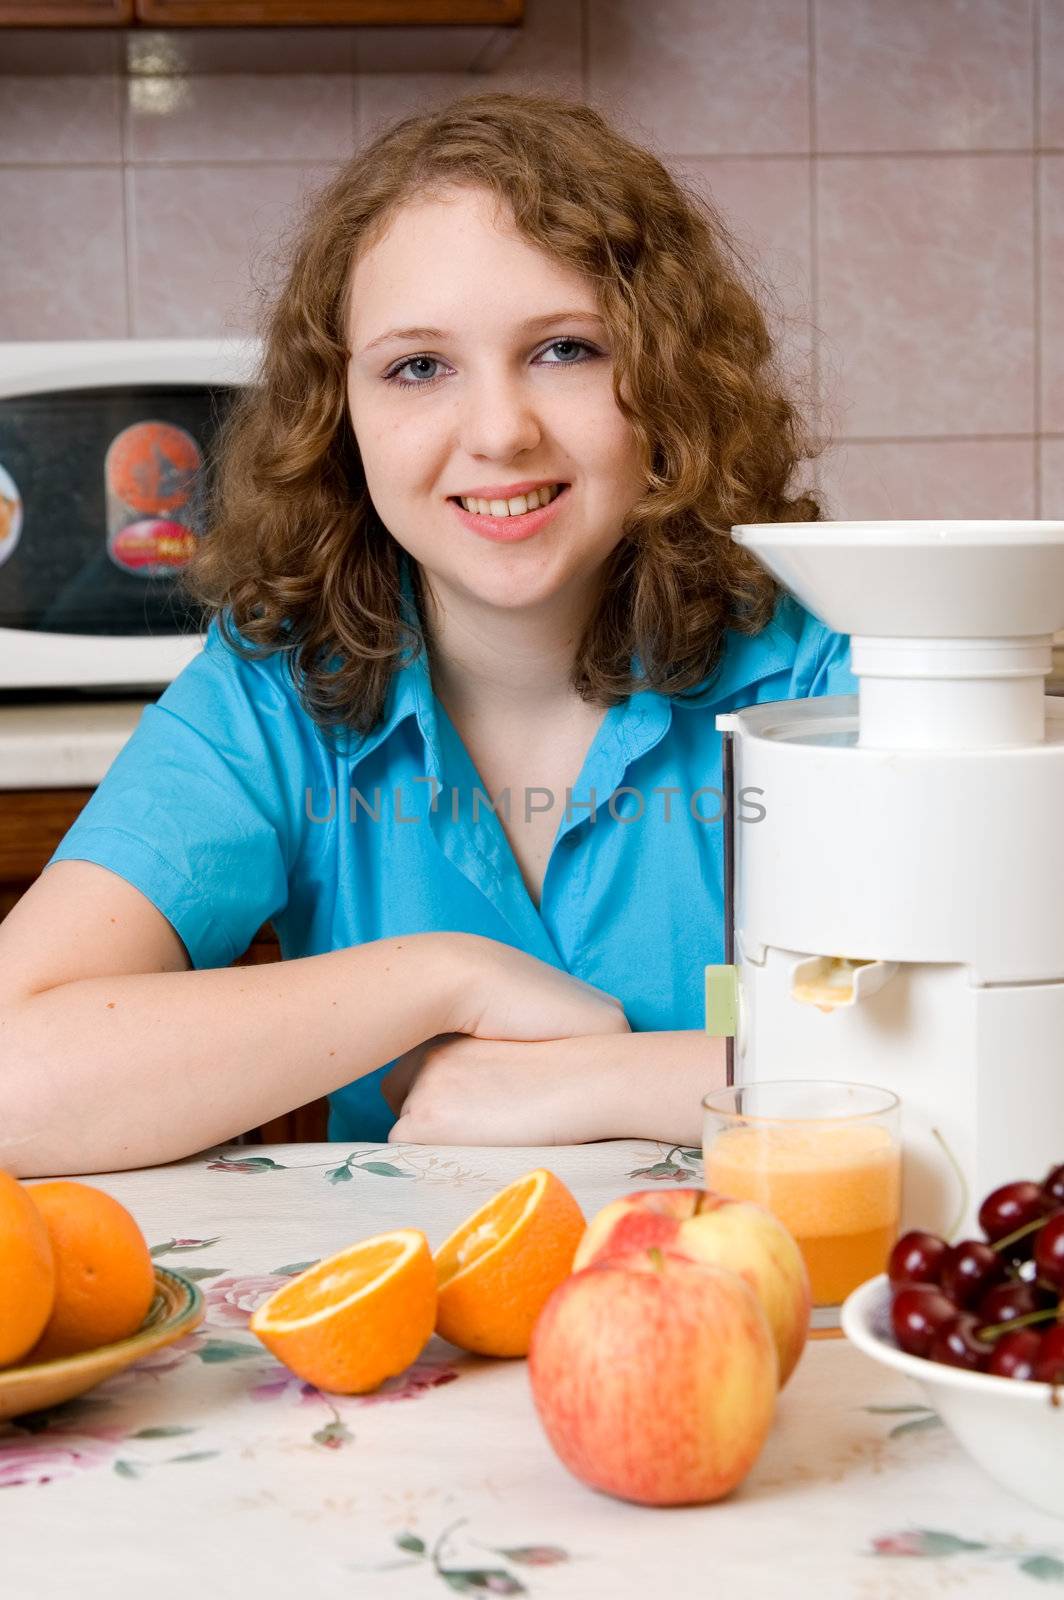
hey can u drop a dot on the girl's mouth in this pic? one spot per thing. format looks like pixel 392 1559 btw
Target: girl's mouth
pixel 511 525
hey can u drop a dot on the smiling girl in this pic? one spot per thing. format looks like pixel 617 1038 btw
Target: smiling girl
pixel 473 610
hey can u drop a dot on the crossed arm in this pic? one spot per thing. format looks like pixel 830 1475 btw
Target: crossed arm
pixel 457 1089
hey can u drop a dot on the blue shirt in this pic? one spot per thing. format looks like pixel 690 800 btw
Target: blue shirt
pixel 227 808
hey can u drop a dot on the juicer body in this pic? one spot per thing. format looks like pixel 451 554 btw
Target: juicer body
pixel 942 869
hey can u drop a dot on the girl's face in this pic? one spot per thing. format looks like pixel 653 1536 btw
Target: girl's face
pixel 480 366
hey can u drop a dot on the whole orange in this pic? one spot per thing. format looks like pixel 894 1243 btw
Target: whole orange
pixel 27 1271
pixel 105 1280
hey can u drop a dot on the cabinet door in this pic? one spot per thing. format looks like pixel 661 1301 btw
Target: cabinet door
pixel 65 13
pixel 300 13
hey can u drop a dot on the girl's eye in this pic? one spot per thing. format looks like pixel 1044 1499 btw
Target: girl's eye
pixel 567 345
pixel 426 380
pixel 422 381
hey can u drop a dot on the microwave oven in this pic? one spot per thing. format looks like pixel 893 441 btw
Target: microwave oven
pixel 106 463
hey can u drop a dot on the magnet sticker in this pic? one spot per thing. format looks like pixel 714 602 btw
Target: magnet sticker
pixel 153 546
pixel 152 475
pixel 10 515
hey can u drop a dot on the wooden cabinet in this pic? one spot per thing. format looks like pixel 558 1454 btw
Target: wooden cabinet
pixel 178 38
pixel 32 822
pixel 66 13
pixel 257 13
pixel 304 13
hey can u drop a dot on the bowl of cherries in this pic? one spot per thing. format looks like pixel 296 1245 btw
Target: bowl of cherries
pixel 980 1325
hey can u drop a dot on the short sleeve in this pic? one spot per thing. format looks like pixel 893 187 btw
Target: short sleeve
pixel 195 810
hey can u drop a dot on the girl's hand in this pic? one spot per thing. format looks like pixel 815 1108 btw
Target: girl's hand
pixel 396 1085
pixel 506 994
pixel 464 1090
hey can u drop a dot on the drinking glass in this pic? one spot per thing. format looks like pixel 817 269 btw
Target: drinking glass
pixel 823 1157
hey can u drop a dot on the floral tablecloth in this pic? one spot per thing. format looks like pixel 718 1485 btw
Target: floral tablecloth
pixel 211 1469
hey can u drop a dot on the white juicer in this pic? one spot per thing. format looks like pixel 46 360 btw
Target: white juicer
pixel 899 906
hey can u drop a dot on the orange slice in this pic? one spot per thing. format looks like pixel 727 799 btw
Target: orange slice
pixel 497 1271
pixel 358 1317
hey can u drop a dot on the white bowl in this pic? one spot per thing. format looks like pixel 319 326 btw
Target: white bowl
pixel 1014 1430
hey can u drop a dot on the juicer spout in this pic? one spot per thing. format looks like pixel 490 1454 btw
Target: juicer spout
pixel 829 982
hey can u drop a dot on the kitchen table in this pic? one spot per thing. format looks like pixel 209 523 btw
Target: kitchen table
pixel 210 1469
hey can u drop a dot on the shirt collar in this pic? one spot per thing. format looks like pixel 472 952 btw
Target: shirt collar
pixel 746 659
pixel 640 722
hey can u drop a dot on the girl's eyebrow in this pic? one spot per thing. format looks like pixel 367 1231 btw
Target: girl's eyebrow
pixel 441 333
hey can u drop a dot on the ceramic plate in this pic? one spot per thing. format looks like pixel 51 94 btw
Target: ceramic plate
pixel 177 1309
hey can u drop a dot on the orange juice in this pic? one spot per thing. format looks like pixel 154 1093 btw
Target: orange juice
pixel 837 1188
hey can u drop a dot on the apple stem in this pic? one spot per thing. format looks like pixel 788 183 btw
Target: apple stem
pixel 656 1257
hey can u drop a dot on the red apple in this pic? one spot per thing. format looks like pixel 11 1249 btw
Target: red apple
pixel 728 1233
pixel 655 1377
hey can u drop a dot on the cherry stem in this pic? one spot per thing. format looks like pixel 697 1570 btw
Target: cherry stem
pixel 1021 1233
pixel 991 1332
pixel 656 1257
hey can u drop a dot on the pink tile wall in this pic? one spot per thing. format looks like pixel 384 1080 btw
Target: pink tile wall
pixel 895 171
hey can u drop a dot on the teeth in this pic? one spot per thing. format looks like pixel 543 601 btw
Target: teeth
pixel 515 507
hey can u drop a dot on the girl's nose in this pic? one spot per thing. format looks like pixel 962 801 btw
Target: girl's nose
pixel 498 419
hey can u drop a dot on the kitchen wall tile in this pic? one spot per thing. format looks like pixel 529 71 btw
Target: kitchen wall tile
pixel 1052 73
pixel 1051 182
pixel 704 77
pixel 242 118
pixel 765 204
pixel 209 242
pixel 470 48
pixel 952 75
pixel 925 478
pixel 545 55
pixel 60 120
pixel 62 253
pixel 1052 463
pixel 926 294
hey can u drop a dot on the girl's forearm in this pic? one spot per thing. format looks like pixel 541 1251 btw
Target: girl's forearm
pixel 104 1074
pixel 648 1085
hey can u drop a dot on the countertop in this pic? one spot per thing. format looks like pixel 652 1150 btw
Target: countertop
pixel 63 745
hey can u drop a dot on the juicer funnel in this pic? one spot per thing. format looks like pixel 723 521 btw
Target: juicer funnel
pixel 939 579
pixel 951 623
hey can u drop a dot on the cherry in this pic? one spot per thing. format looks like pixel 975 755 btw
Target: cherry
pixel 1014 1354
pixel 1049 1250
pixel 1054 1186
pixel 1005 1301
pixel 1012 1206
pixel 917 1312
pixel 1049 1364
pixel 968 1270
pixel 916 1258
pixel 956 1345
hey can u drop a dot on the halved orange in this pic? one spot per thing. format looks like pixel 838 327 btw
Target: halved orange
pixel 356 1318
pixel 496 1272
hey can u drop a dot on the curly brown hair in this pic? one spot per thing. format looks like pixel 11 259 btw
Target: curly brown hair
pixel 296 558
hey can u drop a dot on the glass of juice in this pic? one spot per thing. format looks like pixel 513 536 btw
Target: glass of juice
pixel 823 1157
